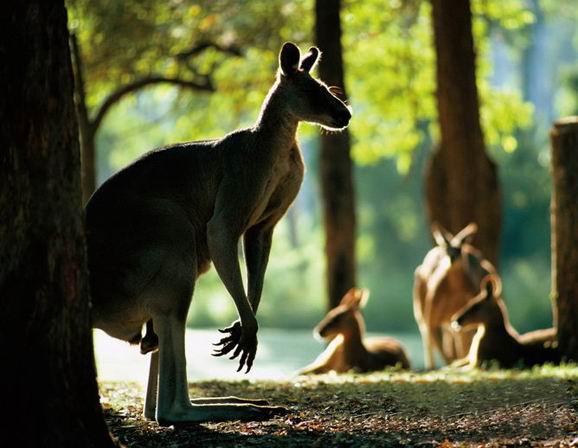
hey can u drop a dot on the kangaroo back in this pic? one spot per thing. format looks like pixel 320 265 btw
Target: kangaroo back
pixel 541 346
pixel 496 341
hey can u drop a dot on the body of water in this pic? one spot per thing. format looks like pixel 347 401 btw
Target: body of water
pixel 280 354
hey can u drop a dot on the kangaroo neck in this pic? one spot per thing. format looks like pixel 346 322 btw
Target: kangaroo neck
pixel 275 128
pixel 499 330
pixel 500 323
pixel 353 347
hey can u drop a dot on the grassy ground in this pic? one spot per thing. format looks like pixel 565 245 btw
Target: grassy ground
pixel 443 408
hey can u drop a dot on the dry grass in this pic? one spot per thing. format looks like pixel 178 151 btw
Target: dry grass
pixel 444 408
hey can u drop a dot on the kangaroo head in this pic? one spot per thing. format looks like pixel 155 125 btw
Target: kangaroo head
pixel 453 244
pixel 483 308
pixel 345 317
pixel 305 97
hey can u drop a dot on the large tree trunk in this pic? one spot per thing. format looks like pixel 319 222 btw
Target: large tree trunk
pixel 336 167
pixel 564 138
pixel 49 390
pixel 461 180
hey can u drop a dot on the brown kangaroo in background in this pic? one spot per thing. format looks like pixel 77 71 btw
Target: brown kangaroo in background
pixel 496 340
pixel 156 225
pixel 446 280
pixel 348 349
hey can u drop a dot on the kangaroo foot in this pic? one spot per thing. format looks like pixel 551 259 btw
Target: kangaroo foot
pixel 204 413
pixel 229 400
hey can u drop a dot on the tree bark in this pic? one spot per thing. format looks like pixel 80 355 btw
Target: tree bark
pixel 50 395
pixel 461 180
pixel 564 215
pixel 336 167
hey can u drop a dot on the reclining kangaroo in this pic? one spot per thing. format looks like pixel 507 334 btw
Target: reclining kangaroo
pixel 496 340
pixel 348 349
pixel 155 226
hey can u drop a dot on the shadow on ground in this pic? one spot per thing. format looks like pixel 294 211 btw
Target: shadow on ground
pixel 386 409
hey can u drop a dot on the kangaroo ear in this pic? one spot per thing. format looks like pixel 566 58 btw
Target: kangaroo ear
pixel 310 59
pixel 497 285
pixel 466 234
pixel 362 297
pixel 355 298
pixel 289 57
pixel 492 284
pixel 441 236
pixel 349 298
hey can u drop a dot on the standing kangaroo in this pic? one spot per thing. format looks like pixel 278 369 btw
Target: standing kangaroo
pixel 155 226
pixel 496 340
pixel 445 281
pixel 348 349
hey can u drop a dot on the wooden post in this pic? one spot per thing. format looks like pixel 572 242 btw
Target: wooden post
pixel 564 215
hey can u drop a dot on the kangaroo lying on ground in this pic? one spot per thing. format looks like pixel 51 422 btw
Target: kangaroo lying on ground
pixel 344 327
pixel 495 339
pixel 446 280
pixel 155 226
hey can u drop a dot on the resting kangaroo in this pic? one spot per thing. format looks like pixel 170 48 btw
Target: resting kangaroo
pixel 495 339
pixel 155 226
pixel 348 350
pixel 447 278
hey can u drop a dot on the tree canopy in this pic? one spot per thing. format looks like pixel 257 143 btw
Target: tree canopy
pixel 231 47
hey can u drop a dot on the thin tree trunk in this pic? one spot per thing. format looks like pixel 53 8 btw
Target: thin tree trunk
pixel 88 161
pixel 564 139
pixel 461 180
pixel 336 167
pixel 50 395
pixel 87 132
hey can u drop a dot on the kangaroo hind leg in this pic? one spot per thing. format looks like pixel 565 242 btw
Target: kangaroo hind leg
pixel 169 302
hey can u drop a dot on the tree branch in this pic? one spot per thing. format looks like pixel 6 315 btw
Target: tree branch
pixel 132 87
pixel 202 46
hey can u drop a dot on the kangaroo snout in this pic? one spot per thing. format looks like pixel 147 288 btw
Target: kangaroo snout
pixel 456 325
pixel 319 333
pixel 341 118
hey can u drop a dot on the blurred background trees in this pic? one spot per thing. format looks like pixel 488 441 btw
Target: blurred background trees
pixel 525 75
pixel 461 180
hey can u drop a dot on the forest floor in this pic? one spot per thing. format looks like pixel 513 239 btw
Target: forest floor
pixel 392 408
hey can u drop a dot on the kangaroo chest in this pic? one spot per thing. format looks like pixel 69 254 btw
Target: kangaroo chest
pixel 279 187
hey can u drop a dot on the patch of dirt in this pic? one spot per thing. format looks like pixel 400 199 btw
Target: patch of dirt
pixel 388 409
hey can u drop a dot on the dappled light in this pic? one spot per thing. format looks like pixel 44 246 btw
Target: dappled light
pixel 199 197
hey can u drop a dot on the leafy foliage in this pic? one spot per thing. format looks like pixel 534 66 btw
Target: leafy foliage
pixel 391 68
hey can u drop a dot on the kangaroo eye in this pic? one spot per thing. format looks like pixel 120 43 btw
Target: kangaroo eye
pixel 337 91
